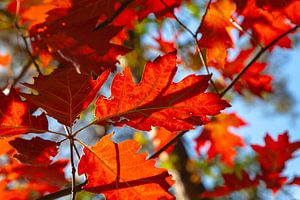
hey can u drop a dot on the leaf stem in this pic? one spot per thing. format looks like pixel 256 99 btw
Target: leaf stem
pixel 256 57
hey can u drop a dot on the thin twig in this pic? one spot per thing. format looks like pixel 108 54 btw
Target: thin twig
pixel 177 137
pixel 57 133
pixel 114 16
pixel 204 16
pixel 71 139
pixel 77 152
pixel 27 48
pixel 63 192
pixel 84 127
pixel 22 73
pixel 240 28
pixel 255 58
pixel 194 35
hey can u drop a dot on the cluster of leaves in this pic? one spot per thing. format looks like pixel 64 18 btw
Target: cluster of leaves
pixel 75 46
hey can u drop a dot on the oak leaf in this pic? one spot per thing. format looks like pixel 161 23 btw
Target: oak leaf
pixel 119 173
pixel 64 94
pixel 157 101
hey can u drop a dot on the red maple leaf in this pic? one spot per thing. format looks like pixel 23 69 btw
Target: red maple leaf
pixel 272 158
pixel 232 183
pixel 222 140
pixel 119 173
pixel 64 94
pixel 264 24
pixel 36 151
pixel 157 101
pixel 52 175
pixel 16 117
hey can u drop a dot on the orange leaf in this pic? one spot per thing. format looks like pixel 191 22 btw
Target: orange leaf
pixel 64 94
pixel 6 148
pixel 222 140
pixel 119 173
pixel 157 101
pixel 5 60
pixel 16 118
pixel 216 27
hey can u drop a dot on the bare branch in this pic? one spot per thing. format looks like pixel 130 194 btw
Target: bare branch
pixel 175 139
pixel 71 140
pixel 33 58
pixel 63 192
pixel 256 57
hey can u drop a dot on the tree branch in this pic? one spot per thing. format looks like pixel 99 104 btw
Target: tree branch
pixel 114 16
pixel 204 15
pixel 22 73
pixel 27 48
pixel 175 139
pixel 194 35
pixel 256 57
pixel 63 192
pixel 71 140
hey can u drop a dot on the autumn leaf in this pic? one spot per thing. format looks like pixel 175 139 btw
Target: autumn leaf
pixel 222 140
pixel 232 182
pixel 73 23
pixel 216 27
pixel 36 151
pixel 52 175
pixel 16 117
pixel 116 171
pixel 272 158
pixel 64 94
pixel 24 191
pixel 264 24
pixel 157 101
pixel 33 12
pixel 83 48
